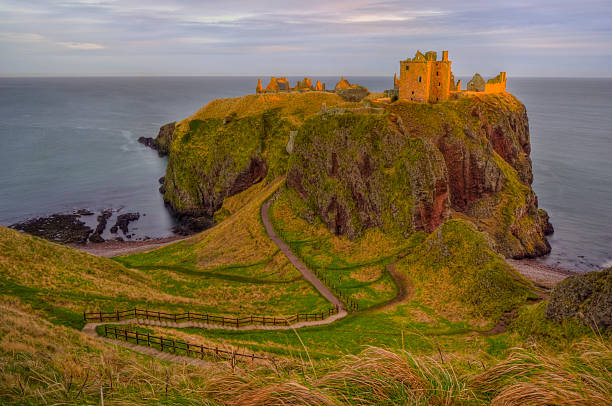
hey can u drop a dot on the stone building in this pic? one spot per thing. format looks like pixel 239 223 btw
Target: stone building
pixel 426 79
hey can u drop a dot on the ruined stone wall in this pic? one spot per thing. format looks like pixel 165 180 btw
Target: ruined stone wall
pixel 497 84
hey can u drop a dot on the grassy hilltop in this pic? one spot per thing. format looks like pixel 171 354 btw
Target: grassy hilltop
pixel 411 220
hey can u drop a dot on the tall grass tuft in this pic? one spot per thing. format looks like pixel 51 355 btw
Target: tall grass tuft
pixel 380 376
pixel 580 376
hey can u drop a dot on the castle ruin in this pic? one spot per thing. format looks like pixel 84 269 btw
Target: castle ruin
pixel 281 84
pixel 426 79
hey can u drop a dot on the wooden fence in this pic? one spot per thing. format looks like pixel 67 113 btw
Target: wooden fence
pixel 175 346
pixel 237 322
pixel 351 305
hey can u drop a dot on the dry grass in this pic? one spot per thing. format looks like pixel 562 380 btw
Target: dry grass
pixel 380 376
pixel 294 106
pixel 241 238
pixel 580 376
pixel 45 364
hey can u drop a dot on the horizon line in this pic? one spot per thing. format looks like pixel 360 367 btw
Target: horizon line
pixel 68 76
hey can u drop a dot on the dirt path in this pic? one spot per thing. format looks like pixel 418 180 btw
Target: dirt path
pixel 308 275
pixel 405 288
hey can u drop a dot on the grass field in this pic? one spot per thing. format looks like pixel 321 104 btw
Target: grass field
pixel 230 269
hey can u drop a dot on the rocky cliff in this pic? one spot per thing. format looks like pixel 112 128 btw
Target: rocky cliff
pixel 405 170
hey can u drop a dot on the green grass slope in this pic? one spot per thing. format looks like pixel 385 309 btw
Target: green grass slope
pixel 228 270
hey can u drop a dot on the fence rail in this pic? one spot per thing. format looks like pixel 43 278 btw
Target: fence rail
pixel 237 322
pixel 174 346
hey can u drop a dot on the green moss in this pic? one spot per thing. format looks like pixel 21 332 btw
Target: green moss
pixel 457 271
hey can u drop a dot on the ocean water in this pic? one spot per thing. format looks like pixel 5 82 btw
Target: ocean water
pixel 70 143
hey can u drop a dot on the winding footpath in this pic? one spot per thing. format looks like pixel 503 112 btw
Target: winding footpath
pixel 90 328
pixel 307 273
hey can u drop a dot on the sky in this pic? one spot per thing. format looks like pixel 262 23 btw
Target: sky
pixel 309 37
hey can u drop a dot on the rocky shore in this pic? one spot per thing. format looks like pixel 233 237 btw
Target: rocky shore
pixel 71 229
pixel 540 274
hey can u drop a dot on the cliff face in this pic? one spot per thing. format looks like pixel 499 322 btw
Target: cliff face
pixel 408 169
pixel 421 164
pixel 228 146
pixel 357 172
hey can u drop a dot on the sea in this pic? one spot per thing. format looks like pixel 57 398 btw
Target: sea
pixel 71 143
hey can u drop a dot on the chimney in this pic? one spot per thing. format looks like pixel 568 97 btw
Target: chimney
pixel 445 56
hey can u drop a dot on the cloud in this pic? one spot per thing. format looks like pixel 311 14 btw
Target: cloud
pixel 83 46
pixel 348 36
pixel 20 37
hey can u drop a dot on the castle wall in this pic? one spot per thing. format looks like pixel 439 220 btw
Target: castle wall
pixel 497 84
pixel 440 81
pixel 415 79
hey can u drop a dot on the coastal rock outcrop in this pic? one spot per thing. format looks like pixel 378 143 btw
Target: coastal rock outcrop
pixel 61 228
pixel 408 169
pixel 96 236
pixel 163 140
pixel 587 297
pixel 123 221
pixel 484 140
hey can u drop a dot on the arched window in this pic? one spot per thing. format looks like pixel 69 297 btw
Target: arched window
pixel 420 79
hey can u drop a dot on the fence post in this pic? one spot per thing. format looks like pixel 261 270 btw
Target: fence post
pixel 201 351
pixel 100 316
pixel 105 330
pixel 173 346
pixel 237 323
pixel 84 317
pixel 188 316
pixel 175 317
pixel 161 343
pixel 148 340
pixel 137 342
pixel 117 313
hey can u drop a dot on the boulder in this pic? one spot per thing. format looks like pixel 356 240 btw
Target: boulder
pixel 587 297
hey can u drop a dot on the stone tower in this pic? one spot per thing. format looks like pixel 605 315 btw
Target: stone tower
pixel 424 78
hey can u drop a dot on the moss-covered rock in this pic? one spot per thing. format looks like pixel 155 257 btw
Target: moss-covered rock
pixel 485 143
pixel 587 297
pixel 356 172
pixel 218 158
pixel 456 271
